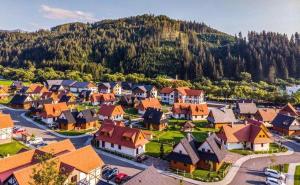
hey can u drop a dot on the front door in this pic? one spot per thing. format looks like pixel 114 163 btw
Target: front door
pixel 103 144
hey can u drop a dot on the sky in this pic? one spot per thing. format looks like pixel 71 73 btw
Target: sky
pixel 230 16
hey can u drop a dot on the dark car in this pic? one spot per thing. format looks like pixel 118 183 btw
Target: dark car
pixel 141 158
pixel 110 174
pixel 121 177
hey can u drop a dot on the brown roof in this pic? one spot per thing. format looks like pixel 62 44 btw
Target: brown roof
pixel 289 109
pixel 113 122
pixel 166 90
pixel 118 134
pixel 243 133
pixel 54 110
pixel 266 114
pixel 110 110
pixel 5 121
pixel 189 92
pixel 98 97
pixel 223 115
pixel 247 108
pixel 188 108
pixel 149 103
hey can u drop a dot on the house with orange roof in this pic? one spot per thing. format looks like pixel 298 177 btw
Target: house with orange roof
pixel 190 111
pixel 34 90
pixel 18 169
pixel 124 140
pixel 51 112
pixel 4 92
pixel 245 136
pixel 266 115
pixel 144 91
pixel 6 128
pixel 100 98
pixel 50 94
pixel 181 95
pixel 289 110
pixel 112 112
pixel 77 87
pixel 148 103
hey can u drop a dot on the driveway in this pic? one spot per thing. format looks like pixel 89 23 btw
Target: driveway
pixel 251 172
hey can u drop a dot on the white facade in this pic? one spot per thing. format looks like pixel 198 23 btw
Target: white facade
pixel 141 95
pixel 180 149
pixel 189 117
pixel 168 98
pixel 115 118
pixel 261 147
pixel 5 134
pixel 92 178
pixel 133 152
pixel 248 145
pixel 292 89
pixel 49 121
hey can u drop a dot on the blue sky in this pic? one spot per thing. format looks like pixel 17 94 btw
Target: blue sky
pixel 229 16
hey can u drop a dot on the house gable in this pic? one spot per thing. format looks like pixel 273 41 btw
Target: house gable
pixel 179 148
pixel 205 147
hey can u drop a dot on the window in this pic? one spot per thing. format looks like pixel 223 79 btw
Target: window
pixel 112 145
pixel 180 151
pixel 262 145
pixel 120 147
pixel 208 150
pixel 203 149
pixel 74 178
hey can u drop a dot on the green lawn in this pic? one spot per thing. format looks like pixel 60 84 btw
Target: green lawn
pixel 281 167
pixel 11 148
pixel 131 113
pixel 84 106
pixel 9 82
pixel 274 148
pixel 5 101
pixel 73 132
pixel 153 148
pixel 297 176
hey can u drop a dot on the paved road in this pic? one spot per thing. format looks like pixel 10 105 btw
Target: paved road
pixel 251 172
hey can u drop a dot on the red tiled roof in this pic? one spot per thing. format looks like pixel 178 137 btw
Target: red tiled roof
pixel 149 102
pixel 54 110
pixel 110 110
pixel 188 108
pixel 166 90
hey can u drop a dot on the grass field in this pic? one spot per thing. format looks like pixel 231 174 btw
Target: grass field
pixel 282 168
pixel 274 148
pixel 11 148
pixel 73 132
pixel 84 106
pixel 9 82
pixel 297 176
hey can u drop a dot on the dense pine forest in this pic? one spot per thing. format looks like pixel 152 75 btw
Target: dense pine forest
pixel 151 45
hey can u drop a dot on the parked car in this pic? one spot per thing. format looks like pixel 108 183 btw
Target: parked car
pixel 18 130
pixel 273 173
pixel 141 158
pixel 37 141
pixel 110 174
pixel 105 169
pixel 274 181
pixel 121 177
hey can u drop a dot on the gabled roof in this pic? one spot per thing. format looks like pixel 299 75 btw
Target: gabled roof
pixel 55 88
pixel 188 108
pixel 266 114
pixel 289 110
pixel 286 122
pixel 69 117
pixel 189 92
pixel 224 115
pixel 54 110
pixel 166 90
pixel 67 83
pixel 149 102
pixel 126 85
pixel 243 133
pixel 19 99
pixel 247 108
pixel 154 116
pixel 88 115
pixel 110 110
pixel 124 136
pixel 82 84
pixel 99 97
pixel 60 147
pixel 5 121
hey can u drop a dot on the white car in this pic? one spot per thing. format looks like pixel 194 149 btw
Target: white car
pixel 36 141
pixel 273 173
pixel 274 181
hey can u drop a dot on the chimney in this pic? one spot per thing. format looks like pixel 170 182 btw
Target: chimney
pixel 130 126
pixel 246 122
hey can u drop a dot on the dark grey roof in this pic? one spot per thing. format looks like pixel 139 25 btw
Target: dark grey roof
pixel 67 83
pixel 149 87
pixel 218 152
pixel 23 89
pixel 80 84
pixel 18 99
pixel 42 102
pixel 65 98
pixel 85 94
pixel 55 88
pixel 153 116
pixel 247 108
pixel 89 115
pixel 285 121
pixel 126 85
pixel 70 117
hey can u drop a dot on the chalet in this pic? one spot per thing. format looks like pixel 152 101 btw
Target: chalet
pixel 74 120
pixel 126 88
pixel 69 100
pixel 113 112
pixel 181 95
pixel 20 101
pixel 148 103
pixel 49 94
pixel 219 117
pixel 190 111
pixel 123 140
pixel 188 126
pixel 144 91
pixel 245 136
pixel 289 109
pixel 110 87
pixel 4 92
pixel 84 96
pixel 100 98
pixel 16 86
pixel 77 87
pixel 246 109
pixel 51 112
pixel 56 88
pixel 18 169
pixel 266 115
pixel 155 119
pixel 38 105
pixel 286 125
pixel 65 83
pixel 190 154
pixel 34 90
pixel 128 100
pixel 6 128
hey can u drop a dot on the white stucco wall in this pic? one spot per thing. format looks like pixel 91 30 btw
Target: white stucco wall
pixel 124 150
pixel 179 148
pixel 261 147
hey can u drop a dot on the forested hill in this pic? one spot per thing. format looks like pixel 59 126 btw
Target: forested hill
pixel 153 45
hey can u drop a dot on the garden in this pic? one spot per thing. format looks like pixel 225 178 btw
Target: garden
pixel 11 148
pixel 273 148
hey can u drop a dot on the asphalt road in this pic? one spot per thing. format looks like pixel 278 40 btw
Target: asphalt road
pixel 251 172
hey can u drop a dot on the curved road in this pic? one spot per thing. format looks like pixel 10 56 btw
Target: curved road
pixel 251 172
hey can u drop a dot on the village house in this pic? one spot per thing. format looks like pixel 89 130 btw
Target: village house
pixel 74 120
pixel 155 119
pixel 126 88
pixel 50 94
pixel 144 91
pixel 38 105
pixel 18 169
pixel 189 154
pixel 124 140
pixel 221 116
pixel 51 112
pixel 245 136
pixel 100 98
pixel 21 101
pixel 77 87
pixel 34 90
pixel 246 109
pixel 110 87
pixel 266 115
pixel 188 126
pixel 181 95
pixel 65 83
pixel 148 103
pixel 6 128
pixel 128 100
pixel 190 111
pixel 290 90
pixel 113 112
pixel 70 100
pixel 286 125
pixel 16 86
pixel 57 88
pixel 289 110
pixel 85 96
